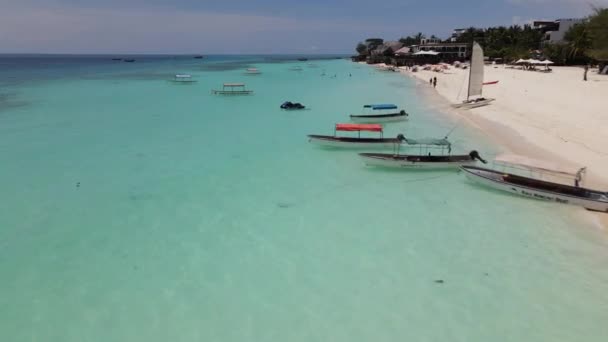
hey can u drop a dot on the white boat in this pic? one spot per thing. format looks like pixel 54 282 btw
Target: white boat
pixel 424 159
pixel 534 187
pixel 356 142
pixel 252 71
pixel 183 78
pixel 475 87
pixel 384 114
pixel 233 89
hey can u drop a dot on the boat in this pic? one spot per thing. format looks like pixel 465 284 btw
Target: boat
pixel 533 186
pixel 288 105
pixel 302 59
pixel 183 78
pixel 198 57
pixel 117 59
pixel 474 91
pixel 424 159
pixel 356 142
pixel 233 89
pixel 382 116
pixel 129 60
pixel 252 71
pixel 295 68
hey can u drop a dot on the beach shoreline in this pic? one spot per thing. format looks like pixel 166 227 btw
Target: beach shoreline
pixel 547 130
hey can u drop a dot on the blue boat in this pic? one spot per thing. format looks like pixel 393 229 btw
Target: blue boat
pixel 387 112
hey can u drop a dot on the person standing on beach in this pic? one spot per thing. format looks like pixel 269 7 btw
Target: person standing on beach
pixel 431 81
pixel 434 82
pixel 585 74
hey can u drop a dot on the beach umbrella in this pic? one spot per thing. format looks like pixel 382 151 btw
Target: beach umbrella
pixel 428 53
pixel 546 62
pixel 534 61
pixel 521 61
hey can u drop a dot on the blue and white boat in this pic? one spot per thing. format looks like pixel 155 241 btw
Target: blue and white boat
pixel 380 113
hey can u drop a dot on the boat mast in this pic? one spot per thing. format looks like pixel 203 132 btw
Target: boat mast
pixel 470 69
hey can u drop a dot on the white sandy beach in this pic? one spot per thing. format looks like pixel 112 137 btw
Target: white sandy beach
pixel 554 115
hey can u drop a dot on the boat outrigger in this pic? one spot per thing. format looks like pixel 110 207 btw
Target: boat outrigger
pixel 424 159
pixel 233 89
pixel 534 186
pixel 357 142
pixel 382 116
pixel 475 88
pixel 183 78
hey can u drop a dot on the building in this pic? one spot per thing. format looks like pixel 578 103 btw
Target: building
pixel 554 31
pixel 456 34
pixel 424 41
pixel 447 50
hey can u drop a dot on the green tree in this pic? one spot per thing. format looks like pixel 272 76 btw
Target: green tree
pixel 361 49
pixel 578 40
pixel 598 31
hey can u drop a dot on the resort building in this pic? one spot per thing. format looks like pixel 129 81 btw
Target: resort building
pixel 447 50
pixel 554 31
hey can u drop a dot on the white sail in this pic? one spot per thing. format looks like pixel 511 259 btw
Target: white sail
pixel 476 72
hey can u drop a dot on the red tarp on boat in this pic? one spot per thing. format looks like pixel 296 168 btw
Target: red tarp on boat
pixel 359 127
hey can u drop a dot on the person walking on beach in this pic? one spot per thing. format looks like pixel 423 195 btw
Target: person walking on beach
pixel 585 74
pixel 431 81
pixel 434 82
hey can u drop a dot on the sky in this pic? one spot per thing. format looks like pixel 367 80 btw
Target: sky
pixel 251 26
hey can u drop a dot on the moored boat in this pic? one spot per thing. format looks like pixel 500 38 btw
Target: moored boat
pixel 535 187
pixel 183 79
pixel 356 142
pixel 233 89
pixel 252 71
pixel 384 114
pixel 424 159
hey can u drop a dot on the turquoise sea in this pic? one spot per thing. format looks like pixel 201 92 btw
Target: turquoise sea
pixel 135 209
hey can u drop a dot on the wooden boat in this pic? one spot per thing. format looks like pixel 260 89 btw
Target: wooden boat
pixel 424 159
pixel 198 57
pixel 183 79
pixel 356 142
pixel 233 89
pixel 537 188
pixel 475 87
pixel 129 60
pixel 252 71
pixel 383 117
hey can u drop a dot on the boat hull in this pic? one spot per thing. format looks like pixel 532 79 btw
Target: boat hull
pixel 355 143
pixel 416 162
pixel 471 105
pixel 494 180
pixel 378 118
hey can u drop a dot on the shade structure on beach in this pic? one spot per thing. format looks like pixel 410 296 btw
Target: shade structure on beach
pixel 403 51
pixel 426 53
pixel 536 164
pixel 358 127
pixel 534 61
pixel 521 61
pixel 545 62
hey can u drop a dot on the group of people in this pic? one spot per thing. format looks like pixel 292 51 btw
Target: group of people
pixel 433 82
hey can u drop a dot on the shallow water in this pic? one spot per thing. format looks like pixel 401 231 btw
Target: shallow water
pixel 135 209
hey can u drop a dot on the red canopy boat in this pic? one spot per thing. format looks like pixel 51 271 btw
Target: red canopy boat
pixel 356 142
pixel 347 127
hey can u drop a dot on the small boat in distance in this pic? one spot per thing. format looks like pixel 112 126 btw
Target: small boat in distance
pixel 233 89
pixel 129 60
pixel 198 57
pixel 302 59
pixel 475 87
pixel 288 105
pixel 117 59
pixel 356 142
pixel 295 68
pixel 534 186
pixel 424 159
pixel 183 78
pixel 382 116
pixel 252 71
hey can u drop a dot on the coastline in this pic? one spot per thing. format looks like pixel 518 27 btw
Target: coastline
pixel 547 131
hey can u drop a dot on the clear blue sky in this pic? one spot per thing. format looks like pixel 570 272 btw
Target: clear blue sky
pixel 250 26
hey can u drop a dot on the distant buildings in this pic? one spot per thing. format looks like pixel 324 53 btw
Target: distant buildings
pixel 456 34
pixel 453 51
pixel 554 31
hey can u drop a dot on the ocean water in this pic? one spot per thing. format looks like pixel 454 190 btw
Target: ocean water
pixel 135 209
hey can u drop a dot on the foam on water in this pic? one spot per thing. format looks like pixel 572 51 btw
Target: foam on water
pixel 134 209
